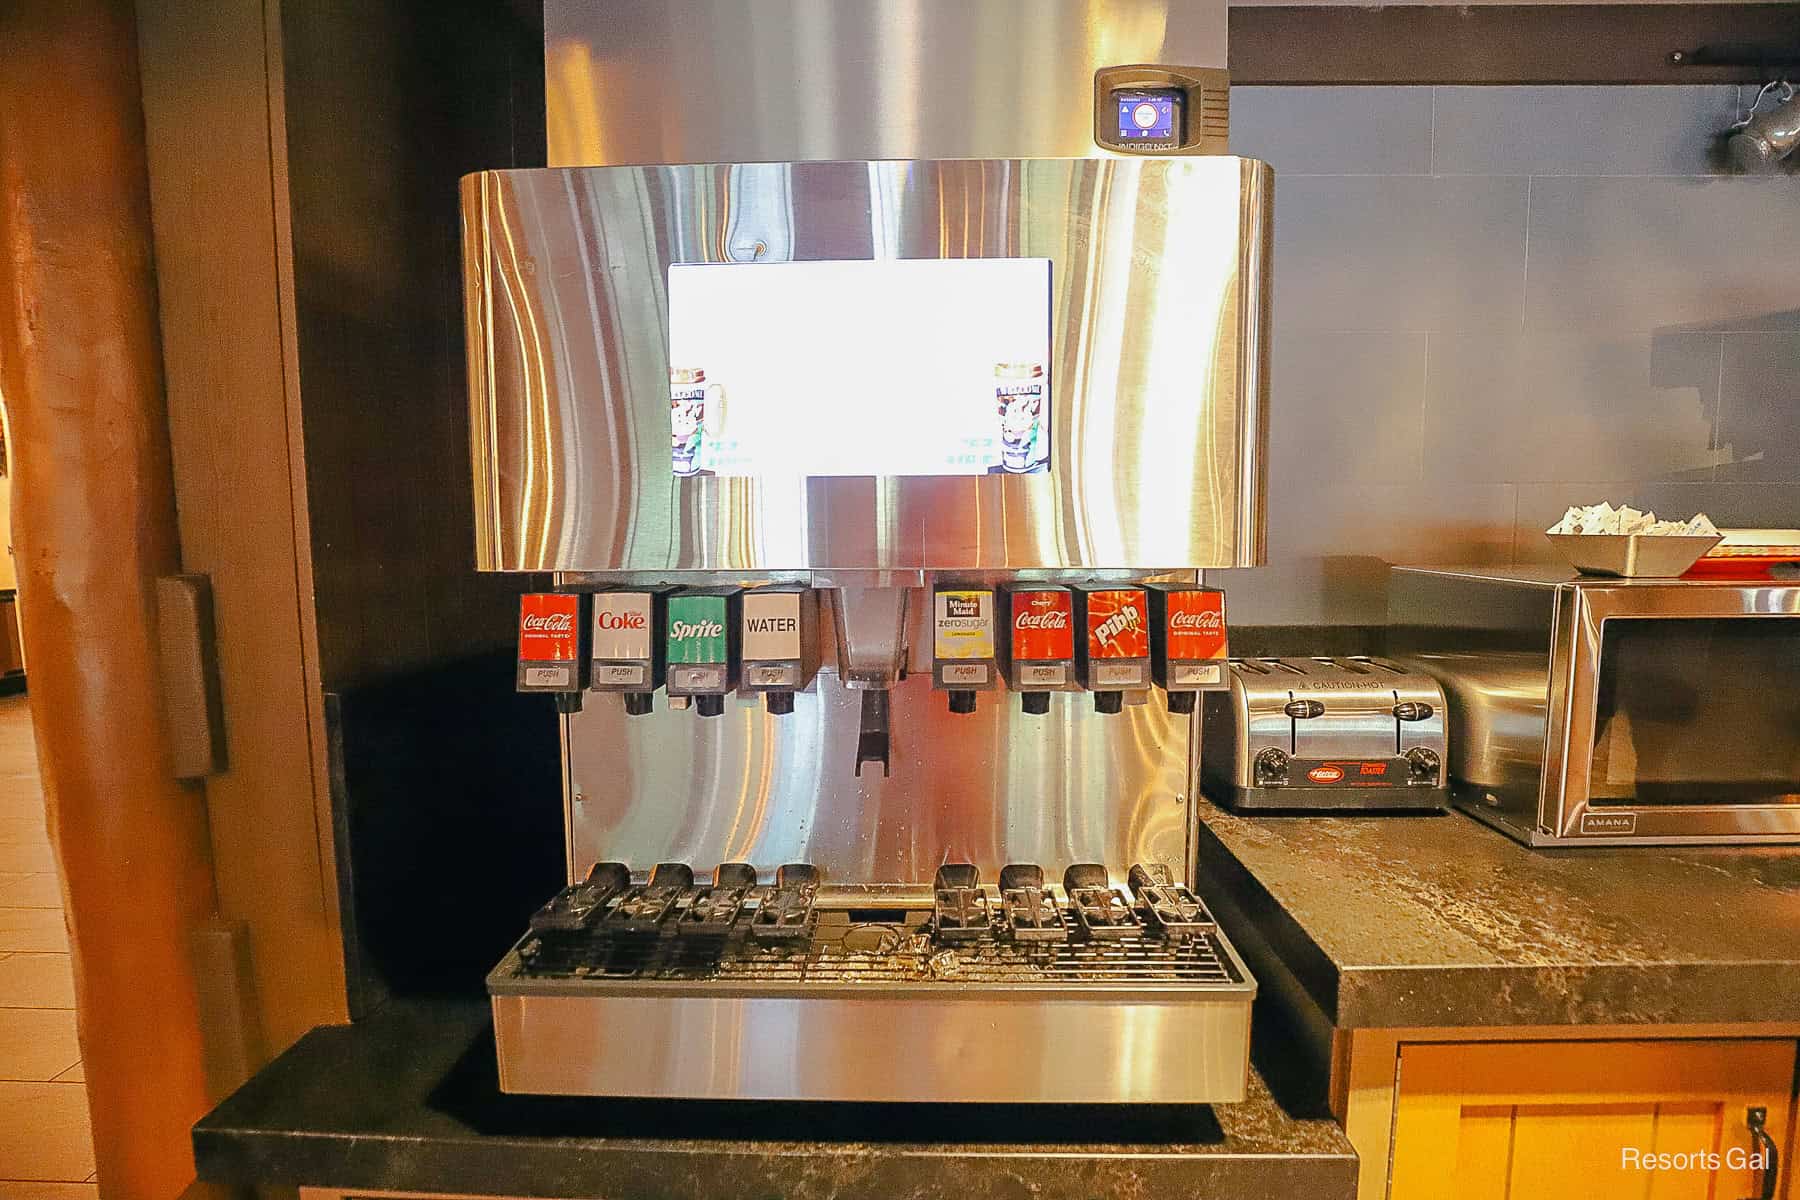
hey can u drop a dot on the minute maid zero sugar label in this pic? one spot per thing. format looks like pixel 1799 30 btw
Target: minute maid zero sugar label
pixel 697 629
pixel 965 623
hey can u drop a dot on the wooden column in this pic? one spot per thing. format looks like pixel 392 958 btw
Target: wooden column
pixel 94 525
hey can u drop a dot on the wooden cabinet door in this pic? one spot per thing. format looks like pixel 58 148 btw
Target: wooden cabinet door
pixel 1587 1120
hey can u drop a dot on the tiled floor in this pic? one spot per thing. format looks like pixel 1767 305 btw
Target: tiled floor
pixel 46 1147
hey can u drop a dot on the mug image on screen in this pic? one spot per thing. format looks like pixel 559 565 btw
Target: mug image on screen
pixel 890 367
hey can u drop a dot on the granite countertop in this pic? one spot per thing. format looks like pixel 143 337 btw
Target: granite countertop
pixel 406 1101
pixel 1441 921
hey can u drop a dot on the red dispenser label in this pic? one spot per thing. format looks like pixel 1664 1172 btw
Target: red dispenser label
pixel 1043 625
pixel 1196 626
pixel 1118 623
pixel 547 627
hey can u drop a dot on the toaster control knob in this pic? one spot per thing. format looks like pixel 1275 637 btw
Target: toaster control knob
pixel 1271 767
pixel 1413 710
pixel 1425 764
pixel 1302 710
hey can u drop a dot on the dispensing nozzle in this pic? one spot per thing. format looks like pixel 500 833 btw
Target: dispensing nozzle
pixel 872 740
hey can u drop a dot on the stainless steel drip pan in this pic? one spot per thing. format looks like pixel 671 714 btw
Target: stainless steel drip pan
pixel 871 1010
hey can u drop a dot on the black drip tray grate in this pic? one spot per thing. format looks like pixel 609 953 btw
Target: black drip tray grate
pixel 845 952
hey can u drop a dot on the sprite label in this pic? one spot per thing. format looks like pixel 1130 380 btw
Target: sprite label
pixel 697 629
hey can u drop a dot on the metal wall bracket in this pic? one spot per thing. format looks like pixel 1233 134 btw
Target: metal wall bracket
pixel 187 651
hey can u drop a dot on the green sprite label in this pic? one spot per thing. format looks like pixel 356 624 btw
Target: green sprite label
pixel 697 629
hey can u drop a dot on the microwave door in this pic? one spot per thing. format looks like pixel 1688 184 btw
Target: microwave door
pixel 1680 726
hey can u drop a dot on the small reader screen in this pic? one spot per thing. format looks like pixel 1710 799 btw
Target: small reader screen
pixel 1149 118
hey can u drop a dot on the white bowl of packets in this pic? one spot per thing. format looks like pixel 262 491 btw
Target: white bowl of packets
pixel 1599 539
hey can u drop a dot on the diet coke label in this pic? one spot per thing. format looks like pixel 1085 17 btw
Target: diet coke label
pixel 1043 624
pixel 1118 623
pixel 622 626
pixel 1195 623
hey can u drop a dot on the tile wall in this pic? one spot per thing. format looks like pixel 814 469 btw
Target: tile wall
pixel 1493 302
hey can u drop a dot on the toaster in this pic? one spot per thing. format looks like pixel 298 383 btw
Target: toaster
pixel 1325 735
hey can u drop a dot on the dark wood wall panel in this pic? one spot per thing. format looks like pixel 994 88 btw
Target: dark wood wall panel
pixel 1525 43
pixel 387 106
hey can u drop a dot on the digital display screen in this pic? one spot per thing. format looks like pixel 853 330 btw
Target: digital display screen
pixel 888 367
pixel 1149 116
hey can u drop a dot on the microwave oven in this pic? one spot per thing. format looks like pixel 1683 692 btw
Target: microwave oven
pixel 1597 711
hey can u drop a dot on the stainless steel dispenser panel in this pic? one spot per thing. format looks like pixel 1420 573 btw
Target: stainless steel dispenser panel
pixel 1157 364
pixel 775 80
pixel 1173 1048
pixel 990 787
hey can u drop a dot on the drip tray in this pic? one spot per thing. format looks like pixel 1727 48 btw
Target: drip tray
pixel 876 1011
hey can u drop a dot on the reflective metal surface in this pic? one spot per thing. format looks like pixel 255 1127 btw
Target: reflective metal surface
pixel 1158 401
pixel 991 787
pixel 1355 702
pixel 1497 703
pixel 871 627
pixel 876 1039
pixel 774 80
pixel 1459 610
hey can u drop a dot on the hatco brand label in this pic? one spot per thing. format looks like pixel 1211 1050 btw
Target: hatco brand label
pixel 1116 623
pixel 696 629
pixel 965 626
pixel 771 626
pixel 1043 625
pixel 622 625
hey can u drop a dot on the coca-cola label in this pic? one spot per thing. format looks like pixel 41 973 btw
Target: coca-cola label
pixel 547 627
pixel 964 624
pixel 1196 626
pixel 622 626
pixel 771 628
pixel 697 629
pixel 1118 623
pixel 1043 624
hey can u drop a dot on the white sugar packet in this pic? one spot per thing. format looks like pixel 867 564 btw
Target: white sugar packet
pixel 1603 518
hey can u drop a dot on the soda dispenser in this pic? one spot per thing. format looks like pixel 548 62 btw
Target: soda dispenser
pixel 916 388
pixel 1188 642
pixel 1115 642
pixel 962 641
pixel 1037 655
pixel 861 549
pixel 702 647
pixel 779 643
pixel 550 647
pixel 625 652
